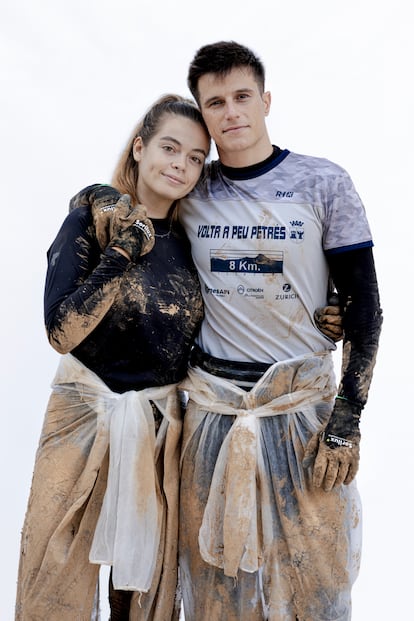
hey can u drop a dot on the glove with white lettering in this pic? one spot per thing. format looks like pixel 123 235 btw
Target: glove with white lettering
pixel 131 229
pixel 329 318
pixel 335 451
pixel 102 200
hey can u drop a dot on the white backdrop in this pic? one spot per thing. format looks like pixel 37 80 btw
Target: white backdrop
pixel 76 76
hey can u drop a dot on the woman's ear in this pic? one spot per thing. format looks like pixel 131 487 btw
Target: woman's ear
pixel 137 148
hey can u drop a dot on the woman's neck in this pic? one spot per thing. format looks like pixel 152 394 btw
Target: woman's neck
pixel 158 212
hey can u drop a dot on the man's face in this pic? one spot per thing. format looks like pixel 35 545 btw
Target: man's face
pixel 234 110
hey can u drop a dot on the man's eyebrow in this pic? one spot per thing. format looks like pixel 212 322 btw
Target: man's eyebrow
pixel 237 92
pixel 178 143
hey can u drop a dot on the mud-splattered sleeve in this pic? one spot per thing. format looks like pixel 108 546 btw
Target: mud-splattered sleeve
pixel 355 278
pixel 81 283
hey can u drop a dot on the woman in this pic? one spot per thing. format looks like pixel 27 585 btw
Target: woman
pixel 122 306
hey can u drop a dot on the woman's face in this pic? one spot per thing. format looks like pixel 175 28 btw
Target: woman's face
pixel 172 161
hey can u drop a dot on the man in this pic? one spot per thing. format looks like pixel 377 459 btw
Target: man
pixel 270 514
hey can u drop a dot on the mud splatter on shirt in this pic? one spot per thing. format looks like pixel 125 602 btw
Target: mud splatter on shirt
pixel 133 325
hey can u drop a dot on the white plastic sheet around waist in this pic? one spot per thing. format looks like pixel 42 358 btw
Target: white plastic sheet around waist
pixel 294 385
pixel 128 530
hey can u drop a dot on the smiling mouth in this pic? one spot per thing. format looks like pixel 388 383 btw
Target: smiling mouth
pixel 234 129
pixel 174 180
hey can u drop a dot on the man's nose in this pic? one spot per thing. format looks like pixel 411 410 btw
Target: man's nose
pixel 230 109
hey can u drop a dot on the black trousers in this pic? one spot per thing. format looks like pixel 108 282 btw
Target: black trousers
pixel 119 603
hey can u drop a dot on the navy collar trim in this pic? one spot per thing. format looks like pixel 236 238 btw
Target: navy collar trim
pixel 255 170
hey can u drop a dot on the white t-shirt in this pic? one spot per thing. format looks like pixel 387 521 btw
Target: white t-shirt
pixel 259 237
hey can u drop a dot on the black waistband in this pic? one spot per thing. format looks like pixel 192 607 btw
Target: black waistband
pixel 229 369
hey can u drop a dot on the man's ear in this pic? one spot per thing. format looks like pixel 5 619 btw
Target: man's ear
pixel 267 100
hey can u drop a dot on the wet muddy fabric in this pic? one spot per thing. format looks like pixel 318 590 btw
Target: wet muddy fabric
pixel 132 324
pixel 130 514
pixel 257 540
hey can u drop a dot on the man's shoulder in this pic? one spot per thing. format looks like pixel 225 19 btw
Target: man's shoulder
pixel 314 162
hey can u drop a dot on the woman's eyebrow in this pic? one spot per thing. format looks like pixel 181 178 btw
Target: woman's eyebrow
pixel 178 143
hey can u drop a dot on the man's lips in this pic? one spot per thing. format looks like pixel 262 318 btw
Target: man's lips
pixel 234 128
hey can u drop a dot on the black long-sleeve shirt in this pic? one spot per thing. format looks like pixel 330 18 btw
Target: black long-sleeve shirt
pixel 133 325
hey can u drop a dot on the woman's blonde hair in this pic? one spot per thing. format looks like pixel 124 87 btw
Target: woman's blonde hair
pixel 125 177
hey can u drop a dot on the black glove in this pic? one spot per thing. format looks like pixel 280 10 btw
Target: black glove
pixel 329 318
pixel 102 200
pixel 336 450
pixel 131 229
pixel 82 197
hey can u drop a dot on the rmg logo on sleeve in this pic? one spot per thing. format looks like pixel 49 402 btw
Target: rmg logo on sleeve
pixel 252 262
